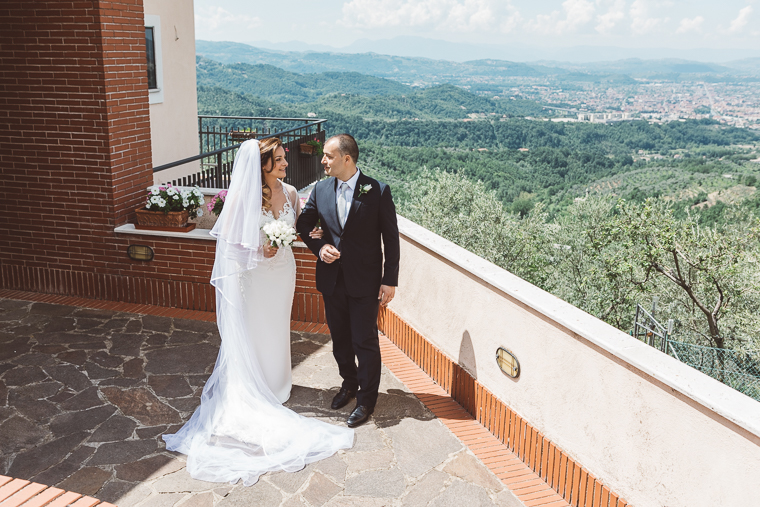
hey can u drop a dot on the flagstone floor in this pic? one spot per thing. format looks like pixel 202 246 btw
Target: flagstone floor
pixel 85 396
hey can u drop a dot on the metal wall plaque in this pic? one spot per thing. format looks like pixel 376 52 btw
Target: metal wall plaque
pixel 140 253
pixel 507 362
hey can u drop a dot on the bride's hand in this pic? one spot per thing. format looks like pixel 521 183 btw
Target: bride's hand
pixel 317 233
pixel 269 250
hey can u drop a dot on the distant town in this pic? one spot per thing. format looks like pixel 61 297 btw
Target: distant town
pixel 736 104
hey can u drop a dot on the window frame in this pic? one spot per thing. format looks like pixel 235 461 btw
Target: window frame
pixel 156 95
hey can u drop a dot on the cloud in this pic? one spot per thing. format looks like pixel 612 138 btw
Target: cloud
pixel 454 15
pixel 209 19
pixel 576 15
pixel 641 20
pixel 738 24
pixel 691 25
pixel 607 21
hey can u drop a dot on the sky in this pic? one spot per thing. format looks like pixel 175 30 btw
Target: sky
pixel 681 24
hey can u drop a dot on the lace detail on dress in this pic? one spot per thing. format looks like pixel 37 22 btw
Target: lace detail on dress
pixel 288 215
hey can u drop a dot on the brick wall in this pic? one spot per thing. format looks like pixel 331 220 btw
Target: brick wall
pixel 75 161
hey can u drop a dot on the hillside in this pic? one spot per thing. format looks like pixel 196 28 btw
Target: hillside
pixel 426 71
pixel 404 69
pixel 283 86
pixel 403 130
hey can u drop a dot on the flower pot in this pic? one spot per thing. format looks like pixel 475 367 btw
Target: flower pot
pixel 307 149
pixel 237 135
pixel 174 221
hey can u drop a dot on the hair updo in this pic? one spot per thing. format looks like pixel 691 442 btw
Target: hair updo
pixel 267 147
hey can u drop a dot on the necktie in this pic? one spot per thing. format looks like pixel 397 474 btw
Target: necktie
pixel 342 204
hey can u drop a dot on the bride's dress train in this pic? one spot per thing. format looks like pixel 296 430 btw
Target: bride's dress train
pixel 241 430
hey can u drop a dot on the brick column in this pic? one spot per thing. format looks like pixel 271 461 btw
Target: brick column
pixel 125 80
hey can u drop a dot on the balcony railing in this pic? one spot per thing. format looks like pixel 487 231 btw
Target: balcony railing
pixel 221 136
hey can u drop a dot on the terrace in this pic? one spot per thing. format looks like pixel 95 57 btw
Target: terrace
pixel 100 354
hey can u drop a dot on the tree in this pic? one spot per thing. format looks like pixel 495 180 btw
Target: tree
pixel 465 212
pixel 712 269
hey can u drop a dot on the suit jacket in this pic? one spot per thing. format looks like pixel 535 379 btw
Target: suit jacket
pixel 372 218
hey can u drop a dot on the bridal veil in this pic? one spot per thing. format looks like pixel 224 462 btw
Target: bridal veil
pixel 240 430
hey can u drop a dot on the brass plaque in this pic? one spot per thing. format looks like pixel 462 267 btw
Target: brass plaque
pixel 507 362
pixel 140 253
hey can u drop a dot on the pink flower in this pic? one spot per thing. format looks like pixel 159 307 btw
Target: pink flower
pixel 162 188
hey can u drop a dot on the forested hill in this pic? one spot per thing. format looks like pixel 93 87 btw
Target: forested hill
pixel 379 119
pixel 398 68
pixel 404 129
pixel 344 94
pixel 427 71
pixel 283 86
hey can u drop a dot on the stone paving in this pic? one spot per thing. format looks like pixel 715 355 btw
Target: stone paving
pixel 85 396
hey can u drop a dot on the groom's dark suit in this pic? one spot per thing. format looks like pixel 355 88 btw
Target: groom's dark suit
pixel 351 284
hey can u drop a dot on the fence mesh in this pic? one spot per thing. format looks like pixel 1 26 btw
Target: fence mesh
pixel 740 370
pixel 735 369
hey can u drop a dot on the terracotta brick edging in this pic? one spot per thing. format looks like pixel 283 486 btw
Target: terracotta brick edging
pixel 499 437
pixel 22 493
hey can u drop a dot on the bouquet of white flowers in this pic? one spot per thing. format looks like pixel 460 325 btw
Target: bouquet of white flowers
pixel 279 233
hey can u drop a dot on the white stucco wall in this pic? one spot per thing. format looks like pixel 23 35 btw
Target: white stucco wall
pixel 174 121
pixel 656 431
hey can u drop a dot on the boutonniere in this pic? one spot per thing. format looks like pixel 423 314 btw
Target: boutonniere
pixel 364 189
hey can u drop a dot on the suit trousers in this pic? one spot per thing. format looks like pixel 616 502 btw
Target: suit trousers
pixel 353 327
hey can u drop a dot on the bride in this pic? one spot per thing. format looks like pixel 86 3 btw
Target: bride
pixel 241 430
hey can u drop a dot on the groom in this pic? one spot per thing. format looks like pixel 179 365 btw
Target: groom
pixel 356 212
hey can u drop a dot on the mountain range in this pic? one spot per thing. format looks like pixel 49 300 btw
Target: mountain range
pixel 426 71
pixel 413 46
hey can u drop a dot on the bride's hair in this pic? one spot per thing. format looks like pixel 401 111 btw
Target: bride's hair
pixel 267 147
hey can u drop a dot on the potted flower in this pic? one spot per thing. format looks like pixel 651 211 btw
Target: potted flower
pixel 169 208
pixel 313 147
pixel 217 203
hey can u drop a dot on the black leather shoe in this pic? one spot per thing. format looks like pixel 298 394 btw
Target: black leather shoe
pixel 342 398
pixel 360 415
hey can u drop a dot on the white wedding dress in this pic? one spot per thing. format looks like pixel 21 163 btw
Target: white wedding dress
pixel 241 430
pixel 268 314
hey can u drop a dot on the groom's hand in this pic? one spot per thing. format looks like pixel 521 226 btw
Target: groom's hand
pixel 386 294
pixel 329 254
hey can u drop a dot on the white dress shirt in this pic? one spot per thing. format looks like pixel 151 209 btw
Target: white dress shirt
pixel 349 197
pixel 350 194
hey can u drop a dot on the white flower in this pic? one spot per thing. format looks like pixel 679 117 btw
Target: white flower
pixel 279 233
pixel 364 189
pixel 199 212
pixel 161 202
pixel 171 191
pixel 154 190
pixel 147 205
pixel 176 197
pixel 185 204
pixel 197 192
pixel 185 194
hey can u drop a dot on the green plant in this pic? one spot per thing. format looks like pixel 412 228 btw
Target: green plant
pixel 318 145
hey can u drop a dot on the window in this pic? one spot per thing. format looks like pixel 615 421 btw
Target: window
pixel 150 48
pixel 153 55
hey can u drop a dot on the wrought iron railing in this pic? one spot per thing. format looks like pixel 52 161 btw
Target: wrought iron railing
pixel 221 136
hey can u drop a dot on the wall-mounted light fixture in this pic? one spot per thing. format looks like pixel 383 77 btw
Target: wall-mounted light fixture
pixel 507 362
pixel 140 253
